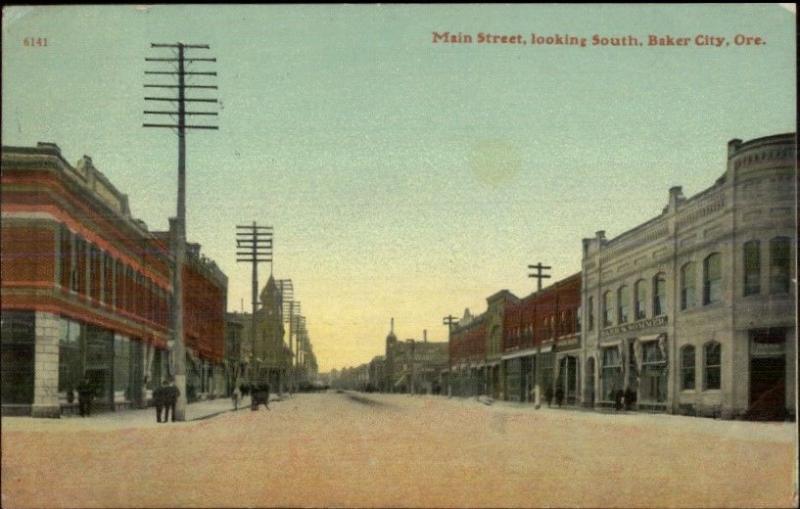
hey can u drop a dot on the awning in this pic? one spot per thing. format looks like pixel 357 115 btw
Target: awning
pixel 651 337
pixel 520 353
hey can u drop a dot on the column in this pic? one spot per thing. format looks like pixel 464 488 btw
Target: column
pixel 45 383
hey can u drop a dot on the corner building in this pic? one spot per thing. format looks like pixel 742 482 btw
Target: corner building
pixel 86 291
pixel 693 311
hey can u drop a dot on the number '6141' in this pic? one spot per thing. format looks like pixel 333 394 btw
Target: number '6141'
pixel 34 41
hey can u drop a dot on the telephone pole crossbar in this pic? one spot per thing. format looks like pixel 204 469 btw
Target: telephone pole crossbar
pixel 178 227
pixel 254 246
pixel 539 275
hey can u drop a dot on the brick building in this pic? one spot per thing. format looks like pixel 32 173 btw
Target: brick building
pixel 541 342
pixel 467 350
pixel 87 290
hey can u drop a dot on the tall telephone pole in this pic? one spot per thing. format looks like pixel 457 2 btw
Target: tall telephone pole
pixel 539 275
pixel 178 349
pixel 254 246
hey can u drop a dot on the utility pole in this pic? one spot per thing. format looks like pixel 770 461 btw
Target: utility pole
pixel 178 348
pixel 254 246
pixel 539 275
pixel 450 321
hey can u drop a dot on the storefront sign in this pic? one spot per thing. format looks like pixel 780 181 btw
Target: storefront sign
pixel 766 349
pixel 641 324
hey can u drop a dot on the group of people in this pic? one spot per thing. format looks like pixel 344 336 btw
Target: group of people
pixel 165 397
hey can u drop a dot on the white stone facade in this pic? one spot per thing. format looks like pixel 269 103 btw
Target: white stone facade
pixel 697 245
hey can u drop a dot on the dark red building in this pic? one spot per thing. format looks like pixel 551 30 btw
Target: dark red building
pixel 86 289
pixel 540 333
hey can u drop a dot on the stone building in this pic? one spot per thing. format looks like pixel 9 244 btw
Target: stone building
pixel 87 290
pixel 693 311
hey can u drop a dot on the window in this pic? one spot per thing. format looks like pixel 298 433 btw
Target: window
pixel 712 356
pixel 591 313
pixel 752 268
pixel 654 371
pixel 659 294
pixel 17 338
pixel 779 263
pixel 623 301
pixel 641 300
pixel 577 319
pixel 68 280
pixel 607 309
pixel 611 372
pixel 70 366
pixel 712 279
pixel 687 286
pixel 687 367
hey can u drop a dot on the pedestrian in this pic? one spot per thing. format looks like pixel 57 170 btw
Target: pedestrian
pixel 266 395
pixel 537 397
pixel 171 394
pixel 559 395
pixel 548 395
pixel 85 395
pixel 158 399
pixel 236 396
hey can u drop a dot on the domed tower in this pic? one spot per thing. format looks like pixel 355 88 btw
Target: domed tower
pixel 391 341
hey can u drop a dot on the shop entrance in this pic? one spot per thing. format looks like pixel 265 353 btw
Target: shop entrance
pixel 767 375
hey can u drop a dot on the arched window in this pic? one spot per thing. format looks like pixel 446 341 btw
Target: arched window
pixel 641 300
pixel 712 359
pixel 687 368
pixel 712 279
pixel 607 309
pixel 752 268
pixel 623 304
pixel 687 286
pixel 659 294
pixel 779 265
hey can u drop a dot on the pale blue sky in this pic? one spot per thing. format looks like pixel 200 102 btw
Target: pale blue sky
pixel 404 178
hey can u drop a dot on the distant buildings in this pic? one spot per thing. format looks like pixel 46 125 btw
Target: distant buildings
pixel 691 312
pixel 87 291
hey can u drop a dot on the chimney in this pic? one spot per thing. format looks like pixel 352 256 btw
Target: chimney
pixel 424 335
pixel 391 325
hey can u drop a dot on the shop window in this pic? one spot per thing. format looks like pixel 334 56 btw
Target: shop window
pixel 611 372
pixel 654 371
pixel 70 367
pixel 641 300
pixel 713 366
pixel 659 294
pixel 607 309
pixel 623 303
pixel 687 286
pixel 779 265
pixel 122 371
pixel 687 368
pixel 752 268
pixel 17 338
pixel 712 279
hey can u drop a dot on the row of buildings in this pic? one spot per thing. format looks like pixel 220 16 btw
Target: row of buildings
pixel 87 292
pixel 412 366
pixel 692 311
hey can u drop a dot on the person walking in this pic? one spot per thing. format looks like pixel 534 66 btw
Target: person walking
pixel 559 395
pixel 236 397
pixel 159 400
pixel 85 395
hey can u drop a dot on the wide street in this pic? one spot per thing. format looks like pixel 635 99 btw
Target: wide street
pixel 352 449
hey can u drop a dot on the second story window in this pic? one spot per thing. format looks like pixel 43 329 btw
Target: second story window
pixel 752 268
pixel 641 300
pixel 591 313
pixel 607 309
pixel 659 294
pixel 779 265
pixel 623 303
pixel 712 279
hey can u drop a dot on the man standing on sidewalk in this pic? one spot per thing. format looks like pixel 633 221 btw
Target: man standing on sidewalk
pixel 85 395
pixel 158 400
pixel 170 395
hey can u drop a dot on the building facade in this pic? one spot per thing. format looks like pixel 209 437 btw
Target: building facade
pixel 541 343
pixel 694 310
pixel 467 351
pixel 87 290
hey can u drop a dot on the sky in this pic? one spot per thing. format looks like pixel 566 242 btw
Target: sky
pixel 403 178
